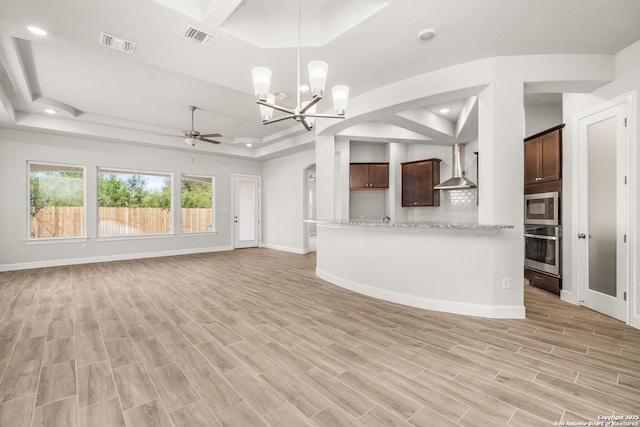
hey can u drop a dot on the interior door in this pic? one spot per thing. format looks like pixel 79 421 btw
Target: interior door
pixel 603 224
pixel 246 219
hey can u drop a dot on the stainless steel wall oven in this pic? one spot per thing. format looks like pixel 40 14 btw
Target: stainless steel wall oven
pixel 543 248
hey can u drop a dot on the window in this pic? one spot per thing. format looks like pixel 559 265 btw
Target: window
pixel 133 203
pixel 197 213
pixel 56 201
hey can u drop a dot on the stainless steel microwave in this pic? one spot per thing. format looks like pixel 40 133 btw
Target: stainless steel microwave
pixel 542 208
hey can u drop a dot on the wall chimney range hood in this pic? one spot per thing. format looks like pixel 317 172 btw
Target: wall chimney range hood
pixel 458 181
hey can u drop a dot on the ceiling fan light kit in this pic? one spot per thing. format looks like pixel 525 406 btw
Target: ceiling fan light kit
pixel 304 112
pixel 191 137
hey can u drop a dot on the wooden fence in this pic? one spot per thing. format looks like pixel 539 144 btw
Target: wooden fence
pixel 58 221
pixel 62 221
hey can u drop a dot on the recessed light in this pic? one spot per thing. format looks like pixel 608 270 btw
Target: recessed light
pixel 36 30
pixel 304 88
pixel 444 110
pixel 248 145
pixel 50 111
pixel 427 34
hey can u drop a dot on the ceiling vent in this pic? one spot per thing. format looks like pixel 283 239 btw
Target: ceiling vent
pixel 198 36
pixel 279 95
pixel 117 43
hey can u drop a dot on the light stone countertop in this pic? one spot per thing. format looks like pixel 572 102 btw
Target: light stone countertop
pixel 418 226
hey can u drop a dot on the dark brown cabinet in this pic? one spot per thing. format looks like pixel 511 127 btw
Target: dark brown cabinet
pixel 542 157
pixel 543 281
pixel 418 179
pixel 368 176
pixel 543 174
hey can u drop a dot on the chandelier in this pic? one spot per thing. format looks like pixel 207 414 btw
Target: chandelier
pixel 304 112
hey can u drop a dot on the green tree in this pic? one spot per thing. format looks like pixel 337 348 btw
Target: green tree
pixel 195 194
pixel 53 188
pixel 65 188
pixel 37 199
pixel 132 191
pixel 137 186
pixel 112 192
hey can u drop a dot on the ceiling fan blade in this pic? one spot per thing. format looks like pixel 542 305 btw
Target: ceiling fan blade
pixel 209 140
pixel 207 135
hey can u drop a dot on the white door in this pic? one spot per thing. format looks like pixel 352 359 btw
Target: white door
pixel 246 215
pixel 603 211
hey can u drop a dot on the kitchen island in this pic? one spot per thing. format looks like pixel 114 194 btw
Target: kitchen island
pixel 452 267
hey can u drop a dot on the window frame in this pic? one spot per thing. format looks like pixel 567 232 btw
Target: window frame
pixel 214 217
pixel 132 171
pixel 69 239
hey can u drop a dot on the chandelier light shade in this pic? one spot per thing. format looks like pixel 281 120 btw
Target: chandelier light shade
pixel 304 112
pixel 317 77
pixel 265 111
pixel 340 95
pixel 261 82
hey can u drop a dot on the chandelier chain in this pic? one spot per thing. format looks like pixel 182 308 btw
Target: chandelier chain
pixel 299 37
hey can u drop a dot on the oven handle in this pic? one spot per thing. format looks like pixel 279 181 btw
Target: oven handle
pixel 538 236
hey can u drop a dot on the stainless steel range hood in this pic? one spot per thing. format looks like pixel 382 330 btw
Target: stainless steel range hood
pixel 458 180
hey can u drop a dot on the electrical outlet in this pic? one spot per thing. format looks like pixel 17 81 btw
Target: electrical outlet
pixel 506 283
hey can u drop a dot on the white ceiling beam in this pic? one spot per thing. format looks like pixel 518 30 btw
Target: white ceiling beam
pixel 381 132
pixel 465 119
pixel 429 120
pixel 12 63
pixel 220 11
pixel 441 133
pixel 300 142
pixel 7 105
pixel 83 129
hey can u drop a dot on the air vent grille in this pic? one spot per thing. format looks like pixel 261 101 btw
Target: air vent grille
pixel 117 43
pixel 279 95
pixel 199 36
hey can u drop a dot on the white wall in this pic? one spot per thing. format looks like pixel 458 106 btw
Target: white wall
pixel 540 117
pixel 283 201
pixel 18 147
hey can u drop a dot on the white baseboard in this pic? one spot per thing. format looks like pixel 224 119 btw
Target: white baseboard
pixel 283 248
pixel 568 296
pixel 481 310
pixel 107 258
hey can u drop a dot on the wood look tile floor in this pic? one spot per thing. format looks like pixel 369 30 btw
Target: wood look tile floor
pixel 252 338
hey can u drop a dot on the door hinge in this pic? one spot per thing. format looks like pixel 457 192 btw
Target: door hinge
pixel 625 122
pixel 625 180
pixel 625 238
pixel 625 296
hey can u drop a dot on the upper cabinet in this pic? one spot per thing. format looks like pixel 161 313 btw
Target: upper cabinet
pixel 418 180
pixel 368 176
pixel 542 156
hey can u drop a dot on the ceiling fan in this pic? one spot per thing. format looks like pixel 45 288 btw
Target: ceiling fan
pixel 192 136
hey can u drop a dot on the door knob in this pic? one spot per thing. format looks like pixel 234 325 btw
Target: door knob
pixel 582 236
